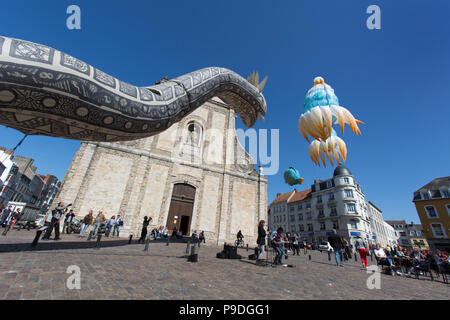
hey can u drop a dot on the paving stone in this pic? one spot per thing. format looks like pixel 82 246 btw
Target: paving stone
pixel 124 272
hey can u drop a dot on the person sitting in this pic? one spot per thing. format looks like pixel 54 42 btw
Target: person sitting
pixel 201 237
pixel 382 257
pixel 278 244
pixel 194 235
pixel 416 254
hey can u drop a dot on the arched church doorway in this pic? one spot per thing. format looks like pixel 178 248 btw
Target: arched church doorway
pixel 181 207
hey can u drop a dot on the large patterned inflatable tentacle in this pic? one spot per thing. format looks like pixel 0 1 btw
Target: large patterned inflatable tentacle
pixel 47 92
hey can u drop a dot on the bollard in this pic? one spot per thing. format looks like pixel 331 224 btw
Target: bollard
pixel 309 256
pixel 194 254
pixel 198 242
pixel 91 233
pixel 38 235
pixel 129 240
pixel 97 244
pixel 329 255
pixel 147 242
pixel 356 260
pixel 371 257
pixel 187 246
pixel 167 241
pixel 247 246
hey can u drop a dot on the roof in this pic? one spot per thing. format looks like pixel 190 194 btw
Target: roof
pixel 436 184
pixel 341 170
pixel 300 195
pixel 282 197
pixel 374 206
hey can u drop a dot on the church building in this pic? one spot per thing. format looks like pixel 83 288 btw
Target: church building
pixel 193 176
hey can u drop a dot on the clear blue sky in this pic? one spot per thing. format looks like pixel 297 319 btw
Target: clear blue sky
pixel 395 79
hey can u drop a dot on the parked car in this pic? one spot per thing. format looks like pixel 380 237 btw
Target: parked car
pixel 325 246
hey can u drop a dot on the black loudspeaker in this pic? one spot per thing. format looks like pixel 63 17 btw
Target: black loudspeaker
pixel 193 258
pixel 221 255
pixel 229 252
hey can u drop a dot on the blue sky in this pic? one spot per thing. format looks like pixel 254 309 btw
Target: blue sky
pixel 395 79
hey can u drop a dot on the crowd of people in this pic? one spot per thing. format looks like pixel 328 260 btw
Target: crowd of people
pixel 401 260
pixel 61 216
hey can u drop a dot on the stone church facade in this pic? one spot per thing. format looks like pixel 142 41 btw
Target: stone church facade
pixel 193 176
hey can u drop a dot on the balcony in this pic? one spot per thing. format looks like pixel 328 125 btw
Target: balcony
pixel 319 205
pixel 333 214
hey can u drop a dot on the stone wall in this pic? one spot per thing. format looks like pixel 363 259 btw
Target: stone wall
pixel 136 178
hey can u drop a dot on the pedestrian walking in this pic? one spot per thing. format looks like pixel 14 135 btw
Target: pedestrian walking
pixel 361 248
pixel 57 213
pixel 11 221
pixel 86 222
pixel 337 244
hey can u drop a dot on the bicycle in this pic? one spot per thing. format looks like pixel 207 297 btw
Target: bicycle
pixel 239 242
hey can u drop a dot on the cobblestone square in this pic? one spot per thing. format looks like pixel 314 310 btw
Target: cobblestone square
pixel 119 270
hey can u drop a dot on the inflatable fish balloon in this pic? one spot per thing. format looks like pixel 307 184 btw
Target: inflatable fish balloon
pixel 292 176
pixel 321 111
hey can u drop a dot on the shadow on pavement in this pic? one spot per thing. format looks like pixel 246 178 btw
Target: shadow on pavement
pixel 60 245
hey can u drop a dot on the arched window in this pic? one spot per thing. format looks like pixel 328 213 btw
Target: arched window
pixel 194 134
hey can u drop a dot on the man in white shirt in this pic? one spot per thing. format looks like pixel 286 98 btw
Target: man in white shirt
pixel 381 255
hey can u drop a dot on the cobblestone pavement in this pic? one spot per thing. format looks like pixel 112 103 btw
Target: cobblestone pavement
pixel 121 271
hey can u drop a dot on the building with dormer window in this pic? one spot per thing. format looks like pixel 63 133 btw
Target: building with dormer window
pixel 432 203
pixel 337 203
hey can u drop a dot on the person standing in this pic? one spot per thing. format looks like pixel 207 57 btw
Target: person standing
pixel 57 213
pixel 144 229
pixel 337 244
pixel 261 241
pixel 117 224
pixel 109 225
pixel 86 222
pixel 68 221
pixel 295 244
pixel 98 222
pixel 5 214
pixel 360 247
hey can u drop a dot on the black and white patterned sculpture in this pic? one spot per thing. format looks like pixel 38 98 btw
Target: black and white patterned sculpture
pixel 47 92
